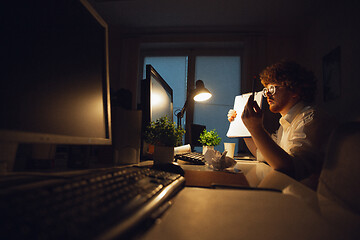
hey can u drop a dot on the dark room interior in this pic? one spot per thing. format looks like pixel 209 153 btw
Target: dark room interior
pixel 73 110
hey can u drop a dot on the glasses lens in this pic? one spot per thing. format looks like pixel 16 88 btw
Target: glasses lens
pixel 264 92
pixel 269 90
pixel 272 89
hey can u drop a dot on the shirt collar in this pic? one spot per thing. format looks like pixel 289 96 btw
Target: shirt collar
pixel 286 120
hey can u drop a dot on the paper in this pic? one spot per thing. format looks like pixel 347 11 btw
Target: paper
pixel 237 127
pixel 218 160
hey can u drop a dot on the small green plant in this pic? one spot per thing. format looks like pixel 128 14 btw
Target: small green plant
pixel 163 132
pixel 209 138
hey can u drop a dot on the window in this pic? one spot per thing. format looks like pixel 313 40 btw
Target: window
pixel 221 75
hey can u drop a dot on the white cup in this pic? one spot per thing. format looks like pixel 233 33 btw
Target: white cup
pixel 230 148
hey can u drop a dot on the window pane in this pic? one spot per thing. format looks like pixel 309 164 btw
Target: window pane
pixel 174 72
pixel 221 75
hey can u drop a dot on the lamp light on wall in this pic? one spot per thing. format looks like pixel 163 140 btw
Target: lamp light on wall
pixel 199 94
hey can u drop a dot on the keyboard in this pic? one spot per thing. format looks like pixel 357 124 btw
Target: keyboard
pixel 191 157
pixel 96 204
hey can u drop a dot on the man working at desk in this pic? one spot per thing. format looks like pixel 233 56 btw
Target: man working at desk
pixel 297 148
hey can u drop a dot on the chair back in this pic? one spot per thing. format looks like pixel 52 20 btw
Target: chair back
pixel 340 176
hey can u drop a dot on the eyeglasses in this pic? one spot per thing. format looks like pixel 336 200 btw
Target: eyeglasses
pixel 271 89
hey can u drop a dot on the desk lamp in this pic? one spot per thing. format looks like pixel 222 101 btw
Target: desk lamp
pixel 199 94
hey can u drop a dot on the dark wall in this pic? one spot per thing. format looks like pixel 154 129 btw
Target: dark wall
pixel 337 26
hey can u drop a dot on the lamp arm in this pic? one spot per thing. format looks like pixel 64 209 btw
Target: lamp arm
pixel 199 88
pixel 180 114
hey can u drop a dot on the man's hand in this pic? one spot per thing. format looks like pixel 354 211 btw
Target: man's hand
pixel 252 116
pixel 231 115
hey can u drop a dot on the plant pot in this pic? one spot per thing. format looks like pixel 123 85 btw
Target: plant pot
pixel 205 148
pixel 163 154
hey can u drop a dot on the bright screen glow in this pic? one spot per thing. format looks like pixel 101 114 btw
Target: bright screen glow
pixel 161 104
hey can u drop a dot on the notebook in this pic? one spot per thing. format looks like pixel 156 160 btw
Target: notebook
pixel 237 127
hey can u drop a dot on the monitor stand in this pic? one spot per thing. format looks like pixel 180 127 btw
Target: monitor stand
pixel 7 156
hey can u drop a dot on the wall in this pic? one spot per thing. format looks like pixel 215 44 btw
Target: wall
pixel 124 62
pixel 337 25
pixel 123 74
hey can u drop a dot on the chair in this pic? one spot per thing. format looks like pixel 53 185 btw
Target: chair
pixel 340 176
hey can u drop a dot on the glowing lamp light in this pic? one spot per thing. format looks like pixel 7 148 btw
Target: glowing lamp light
pixel 199 94
pixel 202 97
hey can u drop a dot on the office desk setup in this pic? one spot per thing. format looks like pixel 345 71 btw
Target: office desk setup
pixel 247 201
pixel 250 201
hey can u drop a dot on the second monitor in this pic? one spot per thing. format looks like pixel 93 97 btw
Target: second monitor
pixel 156 100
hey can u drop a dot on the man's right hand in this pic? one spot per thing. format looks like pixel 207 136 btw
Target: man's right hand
pixel 252 117
pixel 231 115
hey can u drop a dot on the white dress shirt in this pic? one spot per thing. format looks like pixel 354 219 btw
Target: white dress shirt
pixel 303 134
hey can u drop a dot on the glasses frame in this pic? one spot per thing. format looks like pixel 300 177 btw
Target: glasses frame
pixel 271 89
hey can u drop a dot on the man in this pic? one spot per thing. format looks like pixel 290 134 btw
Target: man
pixel 298 147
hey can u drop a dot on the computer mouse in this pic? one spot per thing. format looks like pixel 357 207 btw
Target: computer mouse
pixel 169 167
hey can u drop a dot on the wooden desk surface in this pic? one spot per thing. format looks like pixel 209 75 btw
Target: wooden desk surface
pixel 296 213
pixel 212 214
pixel 198 178
pixel 203 176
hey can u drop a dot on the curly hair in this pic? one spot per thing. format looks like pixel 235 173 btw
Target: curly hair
pixel 293 76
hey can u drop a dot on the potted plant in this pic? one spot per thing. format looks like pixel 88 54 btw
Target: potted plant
pixel 163 134
pixel 209 139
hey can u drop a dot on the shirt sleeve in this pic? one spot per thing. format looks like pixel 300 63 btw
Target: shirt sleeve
pixel 307 144
pixel 259 156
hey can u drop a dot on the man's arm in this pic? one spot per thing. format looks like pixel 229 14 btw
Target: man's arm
pixel 273 154
pixel 251 145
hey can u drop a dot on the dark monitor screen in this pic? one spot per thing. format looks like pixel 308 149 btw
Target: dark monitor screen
pixel 54 82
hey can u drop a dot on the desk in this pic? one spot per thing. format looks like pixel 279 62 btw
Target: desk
pixel 244 173
pixel 205 214
pixel 295 213
pixel 204 176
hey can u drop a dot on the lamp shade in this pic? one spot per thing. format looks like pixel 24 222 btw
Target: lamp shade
pixel 200 93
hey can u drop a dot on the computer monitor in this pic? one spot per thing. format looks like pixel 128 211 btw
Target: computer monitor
pixel 156 99
pixel 54 78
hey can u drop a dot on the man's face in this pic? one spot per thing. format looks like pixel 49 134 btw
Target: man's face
pixel 279 98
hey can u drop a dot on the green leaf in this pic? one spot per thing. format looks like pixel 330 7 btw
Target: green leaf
pixel 209 138
pixel 163 132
